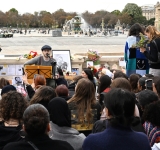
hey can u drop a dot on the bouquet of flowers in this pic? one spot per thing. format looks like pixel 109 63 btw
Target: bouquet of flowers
pixel 142 42
pixel 93 55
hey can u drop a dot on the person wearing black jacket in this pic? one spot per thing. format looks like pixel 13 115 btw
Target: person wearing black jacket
pixel 153 50
pixel 36 125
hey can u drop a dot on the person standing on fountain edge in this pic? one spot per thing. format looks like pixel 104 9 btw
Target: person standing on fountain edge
pixel 45 60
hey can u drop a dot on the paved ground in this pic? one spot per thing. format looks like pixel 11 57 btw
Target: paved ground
pixel 22 44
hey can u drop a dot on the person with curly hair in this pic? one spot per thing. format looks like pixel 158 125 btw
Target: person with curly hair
pixel 36 126
pixel 12 106
pixel 152 122
pixel 43 95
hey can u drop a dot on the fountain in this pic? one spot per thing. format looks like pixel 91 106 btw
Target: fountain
pixel 76 25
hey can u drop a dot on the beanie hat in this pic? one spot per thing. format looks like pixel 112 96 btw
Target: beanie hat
pixel 46 47
pixel 8 88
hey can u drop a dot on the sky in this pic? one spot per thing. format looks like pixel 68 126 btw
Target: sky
pixel 78 6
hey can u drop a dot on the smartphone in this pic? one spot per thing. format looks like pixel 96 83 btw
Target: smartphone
pixel 149 84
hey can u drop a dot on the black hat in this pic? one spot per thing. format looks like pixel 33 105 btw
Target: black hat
pixel 46 47
pixel 8 88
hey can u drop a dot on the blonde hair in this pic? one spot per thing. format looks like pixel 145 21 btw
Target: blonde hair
pixel 154 33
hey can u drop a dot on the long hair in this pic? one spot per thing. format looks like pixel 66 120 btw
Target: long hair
pixel 154 33
pixel 43 94
pixel 84 97
pixel 120 104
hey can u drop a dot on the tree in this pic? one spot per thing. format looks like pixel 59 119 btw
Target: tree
pixel 13 10
pixel 151 21
pixel 116 12
pixel 125 18
pixel 134 11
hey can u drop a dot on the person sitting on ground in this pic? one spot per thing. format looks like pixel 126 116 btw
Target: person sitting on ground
pixel 146 97
pixel 36 125
pixel 87 73
pixel 152 122
pixel 84 108
pixel 8 88
pixel 62 91
pixel 133 79
pixel 119 74
pixel 12 107
pixel 38 81
pixel 60 121
pixel 43 96
pixel 119 106
pixel 104 87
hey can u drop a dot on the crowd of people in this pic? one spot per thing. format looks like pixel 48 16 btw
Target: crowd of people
pixel 108 110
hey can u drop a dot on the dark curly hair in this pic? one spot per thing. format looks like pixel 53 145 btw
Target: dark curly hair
pixel 12 105
pixel 151 113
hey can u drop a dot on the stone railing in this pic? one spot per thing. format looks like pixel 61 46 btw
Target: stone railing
pixel 78 61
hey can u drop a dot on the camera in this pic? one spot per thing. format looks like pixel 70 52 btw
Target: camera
pixel 148 84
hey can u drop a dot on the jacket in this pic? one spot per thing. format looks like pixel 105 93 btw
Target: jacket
pixel 70 135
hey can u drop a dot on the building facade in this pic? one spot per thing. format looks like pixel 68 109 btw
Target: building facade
pixel 148 11
pixel 157 16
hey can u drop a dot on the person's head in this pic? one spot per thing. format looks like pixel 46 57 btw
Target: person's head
pixel 46 50
pixel 148 75
pixel 133 79
pixel 152 32
pixel 12 105
pixel 84 97
pixel 141 83
pixel 76 78
pixel 8 88
pixel 36 120
pixel 146 97
pixel 156 85
pixel 135 30
pixel 59 112
pixel 87 73
pixel 3 82
pixel 119 106
pixel 43 95
pixel 121 83
pixel 120 74
pixel 104 82
pixel 151 113
pixel 62 90
pixel 39 80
